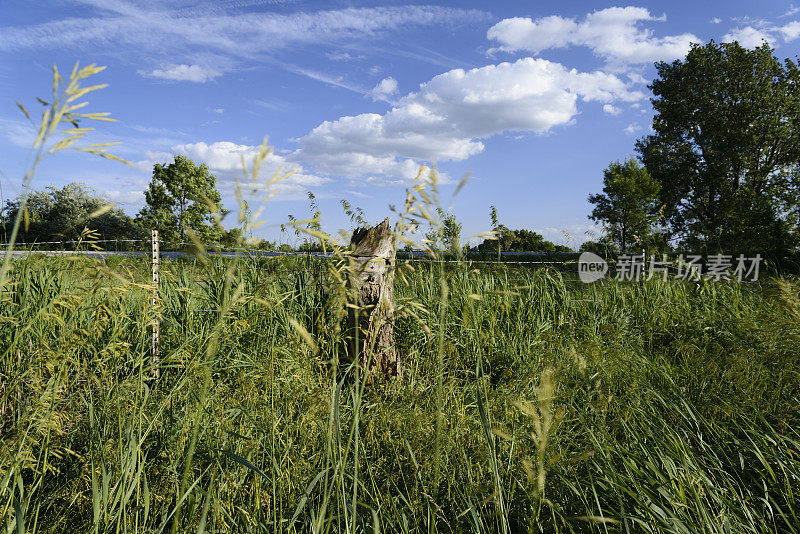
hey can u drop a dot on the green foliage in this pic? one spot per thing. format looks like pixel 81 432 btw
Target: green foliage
pixel 445 233
pixel 354 214
pixel 61 110
pixel 628 207
pixel 496 229
pixel 601 248
pixel 182 198
pixel 521 240
pixel 528 403
pixel 507 240
pixel 451 233
pixel 63 214
pixel 263 244
pixel 232 238
pixel 310 230
pixel 726 142
pixel 669 407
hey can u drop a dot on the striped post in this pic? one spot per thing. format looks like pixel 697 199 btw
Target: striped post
pixel 156 347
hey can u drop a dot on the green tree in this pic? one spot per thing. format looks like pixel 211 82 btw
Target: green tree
pixel 445 233
pixel 499 230
pixel 61 214
pixel 233 238
pixel 451 233
pixel 726 136
pixel 503 237
pixel 521 240
pixel 182 197
pixel 528 240
pixel 628 205
pixel 600 248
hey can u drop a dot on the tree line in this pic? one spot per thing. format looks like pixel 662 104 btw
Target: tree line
pixel 182 202
pixel 720 172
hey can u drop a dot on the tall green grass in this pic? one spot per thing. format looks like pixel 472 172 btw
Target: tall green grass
pixel 529 402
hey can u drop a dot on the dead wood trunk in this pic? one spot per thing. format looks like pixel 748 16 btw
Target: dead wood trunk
pixel 371 320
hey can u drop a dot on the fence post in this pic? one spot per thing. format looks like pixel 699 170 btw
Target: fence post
pixel 371 310
pixel 156 347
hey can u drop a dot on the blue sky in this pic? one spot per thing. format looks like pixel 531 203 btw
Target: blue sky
pixel 534 99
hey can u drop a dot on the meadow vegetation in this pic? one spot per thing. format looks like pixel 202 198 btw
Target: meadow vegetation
pixel 528 402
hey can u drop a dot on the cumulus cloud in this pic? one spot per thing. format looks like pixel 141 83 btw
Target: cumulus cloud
pixel 790 31
pixel 611 110
pixel 613 34
pixel 749 37
pixel 224 159
pixel 184 73
pixel 384 89
pixel 755 34
pixel 446 119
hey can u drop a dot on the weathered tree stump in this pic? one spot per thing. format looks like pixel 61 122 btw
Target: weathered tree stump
pixel 370 319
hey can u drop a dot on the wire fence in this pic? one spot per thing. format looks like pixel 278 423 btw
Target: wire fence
pixel 311 269
pixel 100 246
pixel 631 265
pixel 212 248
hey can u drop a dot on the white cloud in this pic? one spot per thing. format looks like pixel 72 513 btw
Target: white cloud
pixel 613 34
pixel 219 111
pixel 754 35
pixel 572 235
pixel 611 110
pixel 790 31
pixel 635 77
pixel 715 20
pixel 225 35
pixel 359 194
pixel 336 81
pixel 339 55
pixel 749 37
pixel 125 197
pixel 385 88
pixel 19 133
pixel 184 73
pixel 224 159
pixel 448 116
pixel 793 10
pixel 272 104
pixel 157 131
pixel 632 128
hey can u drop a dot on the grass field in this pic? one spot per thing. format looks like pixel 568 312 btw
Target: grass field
pixel 529 402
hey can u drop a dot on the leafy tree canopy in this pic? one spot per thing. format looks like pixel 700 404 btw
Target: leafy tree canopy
pixel 726 138
pixel 628 206
pixel 182 198
pixel 446 235
pixel 521 240
pixel 62 214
